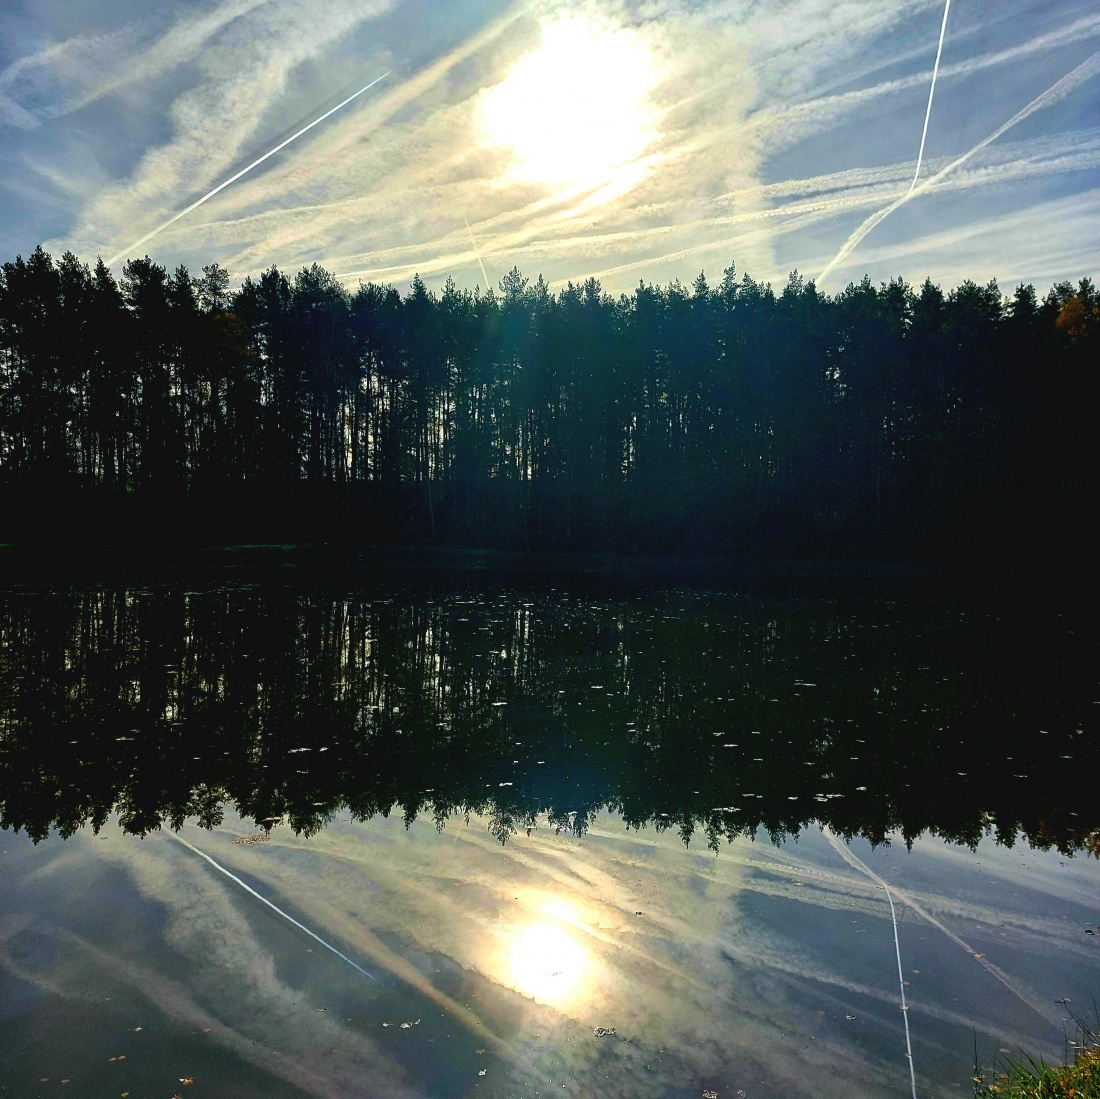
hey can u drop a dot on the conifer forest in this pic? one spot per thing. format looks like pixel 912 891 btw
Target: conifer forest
pixel 886 422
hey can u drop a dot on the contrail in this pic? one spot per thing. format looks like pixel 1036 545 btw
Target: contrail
pixel 1061 88
pixel 274 908
pixel 244 171
pixel 473 241
pixel 931 92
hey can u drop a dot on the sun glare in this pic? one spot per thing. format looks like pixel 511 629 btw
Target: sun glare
pixel 546 963
pixel 573 112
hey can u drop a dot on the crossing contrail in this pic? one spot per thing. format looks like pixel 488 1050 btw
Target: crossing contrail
pixel 1056 92
pixel 473 241
pixel 244 171
pixel 931 92
pixel 274 908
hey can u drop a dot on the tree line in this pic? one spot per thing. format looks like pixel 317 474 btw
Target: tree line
pixel 884 421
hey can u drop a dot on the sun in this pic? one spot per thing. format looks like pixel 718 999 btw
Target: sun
pixel 546 963
pixel 573 113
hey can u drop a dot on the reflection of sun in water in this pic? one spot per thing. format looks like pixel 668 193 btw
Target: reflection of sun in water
pixel 546 963
pixel 573 112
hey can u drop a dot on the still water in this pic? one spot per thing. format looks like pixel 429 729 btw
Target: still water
pixel 304 838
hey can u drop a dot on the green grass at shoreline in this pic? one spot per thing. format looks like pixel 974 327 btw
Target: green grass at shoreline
pixel 1036 1080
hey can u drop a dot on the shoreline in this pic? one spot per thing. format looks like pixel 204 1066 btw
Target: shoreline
pixel 419 559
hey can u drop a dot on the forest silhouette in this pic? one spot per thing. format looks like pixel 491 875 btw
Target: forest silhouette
pixel 882 423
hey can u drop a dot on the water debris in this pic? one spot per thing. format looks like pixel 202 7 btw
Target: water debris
pixel 850 1018
pixel 603 1031
pixel 979 955
pixel 482 1071
pixel 138 1030
pixel 407 1026
pixel 710 1094
pixel 187 1080
pixel 256 837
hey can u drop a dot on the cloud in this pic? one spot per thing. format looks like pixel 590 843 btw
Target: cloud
pixel 387 188
pixel 244 70
pixel 75 73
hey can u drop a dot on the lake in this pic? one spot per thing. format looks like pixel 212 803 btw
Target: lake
pixel 277 833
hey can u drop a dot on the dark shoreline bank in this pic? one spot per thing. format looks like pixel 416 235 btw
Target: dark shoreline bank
pixel 23 560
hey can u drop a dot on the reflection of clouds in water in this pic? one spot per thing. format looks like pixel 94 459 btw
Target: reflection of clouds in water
pixel 708 968
pixel 648 917
pixel 232 976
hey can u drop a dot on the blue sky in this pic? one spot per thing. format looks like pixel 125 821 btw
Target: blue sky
pixel 625 139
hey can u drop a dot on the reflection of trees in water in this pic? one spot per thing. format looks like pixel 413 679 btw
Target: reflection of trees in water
pixel 690 711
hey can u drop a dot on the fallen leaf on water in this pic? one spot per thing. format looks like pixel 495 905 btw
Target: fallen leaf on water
pixel 124 1094
pixel 206 1030
pixel 112 1058
pixel 185 1080
pixel 64 1081
pixel 979 955
pixel 1003 1050
pixel 122 1056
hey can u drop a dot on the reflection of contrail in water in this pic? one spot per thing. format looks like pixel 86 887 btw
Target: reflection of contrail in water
pixel 244 171
pixel 274 908
pixel 931 92
pixel 849 857
pixel 1057 91
pixel 1024 994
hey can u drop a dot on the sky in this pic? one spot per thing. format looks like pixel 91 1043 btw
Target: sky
pixel 622 139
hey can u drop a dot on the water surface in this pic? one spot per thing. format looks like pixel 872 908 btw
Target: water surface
pixel 529 816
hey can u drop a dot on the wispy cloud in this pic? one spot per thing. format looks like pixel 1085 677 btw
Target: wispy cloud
pixel 742 122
